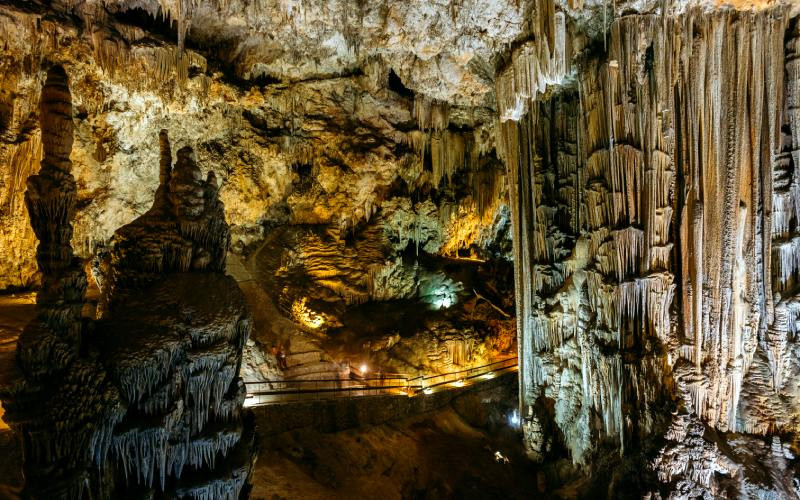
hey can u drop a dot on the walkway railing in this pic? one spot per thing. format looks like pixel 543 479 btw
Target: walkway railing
pixel 285 391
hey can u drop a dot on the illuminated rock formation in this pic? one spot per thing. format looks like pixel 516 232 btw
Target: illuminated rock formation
pixel 148 400
pixel 179 325
pixel 289 141
pixel 654 221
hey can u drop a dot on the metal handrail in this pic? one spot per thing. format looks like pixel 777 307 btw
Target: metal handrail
pixel 304 381
pixel 331 389
pixel 467 370
pixel 296 389
pixel 386 378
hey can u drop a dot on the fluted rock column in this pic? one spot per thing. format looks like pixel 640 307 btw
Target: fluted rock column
pixel 51 195
pixel 61 404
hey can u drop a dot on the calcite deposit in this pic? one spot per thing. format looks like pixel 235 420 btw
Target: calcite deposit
pixel 291 136
pixel 637 162
pixel 146 401
pixel 63 404
pixel 177 353
pixel 653 197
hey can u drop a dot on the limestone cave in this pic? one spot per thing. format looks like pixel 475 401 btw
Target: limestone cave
pixel 399 249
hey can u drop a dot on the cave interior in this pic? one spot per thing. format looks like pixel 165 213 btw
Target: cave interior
pixel 399 249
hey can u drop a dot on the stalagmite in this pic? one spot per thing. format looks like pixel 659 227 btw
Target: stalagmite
pixel 153 401
pixel 62 403
pixel 177 380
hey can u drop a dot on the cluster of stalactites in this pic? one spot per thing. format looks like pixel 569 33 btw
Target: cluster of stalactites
pixel 709 101
pixel 156 64
pixel 533 66
pixel 585 222
pixel 452 153
pixel 725 226
pixel 431 114
pixel 179 12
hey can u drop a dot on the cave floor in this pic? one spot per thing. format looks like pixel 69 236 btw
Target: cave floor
pixel 437 455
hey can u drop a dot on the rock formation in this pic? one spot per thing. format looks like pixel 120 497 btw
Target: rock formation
pixel 297 144
pixel 181 326
pixel 642 155
pixel 146 400
pixel 62 404
pixel 654 214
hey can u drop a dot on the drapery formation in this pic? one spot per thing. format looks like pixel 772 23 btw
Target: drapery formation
pixel 655 223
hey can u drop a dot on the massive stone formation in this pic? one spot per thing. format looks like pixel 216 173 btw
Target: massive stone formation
pixel 147 400
pixel 62 404
pixel 655 209
pixel 175 328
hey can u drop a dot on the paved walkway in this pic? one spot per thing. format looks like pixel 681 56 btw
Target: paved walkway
pixel 305 359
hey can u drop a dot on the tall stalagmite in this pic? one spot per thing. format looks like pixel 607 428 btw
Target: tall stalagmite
pixel 146 401
pixel 62 405
pixel 181 325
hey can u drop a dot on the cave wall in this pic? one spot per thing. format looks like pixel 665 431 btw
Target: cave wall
pixel 289 141
pixel 655 210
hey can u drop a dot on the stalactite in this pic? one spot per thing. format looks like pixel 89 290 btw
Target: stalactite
pixel 448 154
pixel 534 65
pixel 685 177
pixel 431 114
pixel 110 54
pixel 167 61
pixel 22 161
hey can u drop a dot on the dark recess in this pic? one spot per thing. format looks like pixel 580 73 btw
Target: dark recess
pixel 396 85
pixel 158 25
